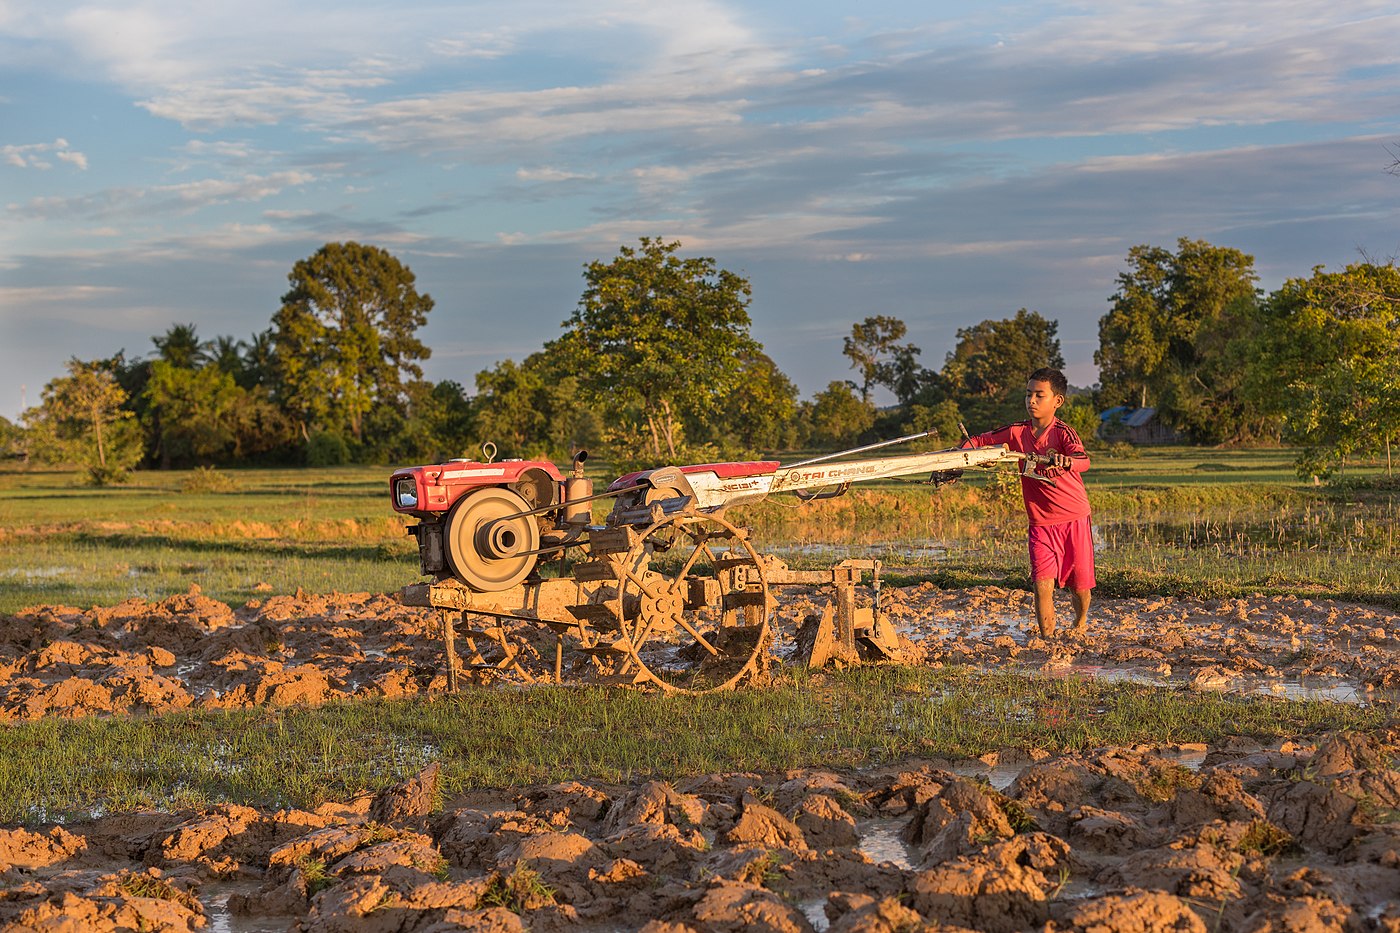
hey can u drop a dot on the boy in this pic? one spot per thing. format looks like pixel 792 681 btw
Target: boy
pixel 1061 544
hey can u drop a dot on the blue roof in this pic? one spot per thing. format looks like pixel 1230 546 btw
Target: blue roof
pixel 1128 417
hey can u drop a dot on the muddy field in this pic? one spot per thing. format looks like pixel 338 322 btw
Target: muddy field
pixel 1232 837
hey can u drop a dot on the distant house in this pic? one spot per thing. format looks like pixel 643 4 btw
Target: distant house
pixel 1134 425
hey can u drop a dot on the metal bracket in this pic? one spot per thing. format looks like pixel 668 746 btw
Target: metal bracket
pixel 808 496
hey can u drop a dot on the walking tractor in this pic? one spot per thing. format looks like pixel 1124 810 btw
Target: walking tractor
pixel 667 590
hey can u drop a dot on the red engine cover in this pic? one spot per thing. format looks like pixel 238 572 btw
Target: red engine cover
pixel 437 488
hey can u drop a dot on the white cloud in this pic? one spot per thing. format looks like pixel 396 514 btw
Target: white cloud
pixel 694 75
pixel 999 164
pixel 546 174
pixel 473 45
pixel 184 197
pixel 35 155
pixel 17 296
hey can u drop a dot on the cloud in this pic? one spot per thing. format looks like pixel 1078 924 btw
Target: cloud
pixel 220 66
pixel 53 296
pixel 546 174
pixel 473 45
pixel 691 80
pixel 35 155
pixel 72 158
pixel 945 171
pixel 185 197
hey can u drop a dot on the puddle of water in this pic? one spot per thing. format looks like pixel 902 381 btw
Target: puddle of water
pixel 1338 692
pixel 1000 777
pixel 1112 674
pixel 879 839
pixel 29 574
pixel 815 912
pixel 215 899
pixel 1014 627
pixel 1189 758
pixel 1378 911
pixel 919 551
pixel 1076 890
pixel 1330 689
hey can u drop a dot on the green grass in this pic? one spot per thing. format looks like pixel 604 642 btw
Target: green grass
pixel 275 531
pixel 490 738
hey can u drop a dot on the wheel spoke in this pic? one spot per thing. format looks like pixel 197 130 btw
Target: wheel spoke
pixel 678 635
pixel 700 639
pixel 690 562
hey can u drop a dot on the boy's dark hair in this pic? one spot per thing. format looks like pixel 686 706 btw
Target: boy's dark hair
pixel 1057 379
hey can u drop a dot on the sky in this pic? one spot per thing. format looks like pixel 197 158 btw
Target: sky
pixel 168 162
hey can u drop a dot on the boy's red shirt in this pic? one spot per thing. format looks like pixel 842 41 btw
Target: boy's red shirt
pixel 1067 500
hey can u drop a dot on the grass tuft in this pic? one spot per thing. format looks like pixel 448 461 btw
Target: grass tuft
pixel 521 890
pixel 146 884
pixel 315 875
pixel 1265 840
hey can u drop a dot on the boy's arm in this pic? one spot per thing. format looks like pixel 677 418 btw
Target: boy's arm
pixel 989 439
pixel 1073 457
pixel 1073 463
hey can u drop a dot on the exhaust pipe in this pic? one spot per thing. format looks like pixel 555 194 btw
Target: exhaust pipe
pixel 578 487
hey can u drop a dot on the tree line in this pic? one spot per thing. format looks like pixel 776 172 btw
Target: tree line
pixel 657 364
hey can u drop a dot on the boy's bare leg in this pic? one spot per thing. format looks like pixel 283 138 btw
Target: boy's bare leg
pixel 1081 611
pixel 1045 606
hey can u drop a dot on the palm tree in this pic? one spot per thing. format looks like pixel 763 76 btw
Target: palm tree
pixel 181 347
pixel 227 354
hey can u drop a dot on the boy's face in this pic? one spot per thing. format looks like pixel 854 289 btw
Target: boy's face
pixel 1041 401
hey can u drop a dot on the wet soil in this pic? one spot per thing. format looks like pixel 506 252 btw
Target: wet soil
pixel 1233 836
pixel 192 651
pixel 1286 837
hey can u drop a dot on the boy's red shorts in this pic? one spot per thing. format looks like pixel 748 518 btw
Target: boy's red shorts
pixel 1064 552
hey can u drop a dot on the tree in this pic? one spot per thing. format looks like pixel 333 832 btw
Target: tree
pixel 508 410
pixel 439 423
pixel 839 416
pixel 657 339
pixel 875 351
pixel 942 418
pixel 1167 339
pixel 1351 413
pixel 986 372
pixel 195 413
pixel 345 336
pixel 1080 413
pixel 903 376
pixel 760 414
pixel 180 346
pixel 227 355
pixel 533 408
pixel 259 364
pixel 1326 360
pixel 13 443
pixel 82 419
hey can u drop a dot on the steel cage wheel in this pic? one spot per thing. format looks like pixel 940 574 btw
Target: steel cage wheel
pixel 487 549
pixel 699 621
